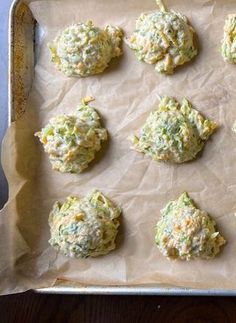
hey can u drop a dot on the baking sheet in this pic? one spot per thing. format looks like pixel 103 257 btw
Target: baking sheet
pixel 125 94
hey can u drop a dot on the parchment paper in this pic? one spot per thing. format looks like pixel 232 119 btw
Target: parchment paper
pixel 125 94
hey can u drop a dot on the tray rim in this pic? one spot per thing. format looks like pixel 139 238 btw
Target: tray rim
pixel 10 58
pixel 131 290
pixel 150 289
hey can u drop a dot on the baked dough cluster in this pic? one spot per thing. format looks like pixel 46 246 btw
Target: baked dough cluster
pixel 164 38
pixel 84 227
pixel 73 140
pixel 228 48
pixel 185 232
pixel 173 132
pixel 83 49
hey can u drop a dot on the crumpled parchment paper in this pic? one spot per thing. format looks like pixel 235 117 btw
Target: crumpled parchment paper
pixel 125 94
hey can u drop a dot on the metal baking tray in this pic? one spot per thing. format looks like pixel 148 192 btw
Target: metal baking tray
pixel 23 37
